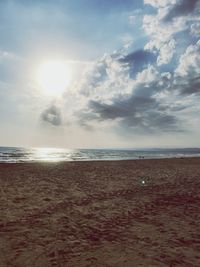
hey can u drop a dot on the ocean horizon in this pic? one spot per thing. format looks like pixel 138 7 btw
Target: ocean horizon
pixel 21 154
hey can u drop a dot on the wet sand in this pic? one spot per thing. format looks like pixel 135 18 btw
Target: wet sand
pixel 120 214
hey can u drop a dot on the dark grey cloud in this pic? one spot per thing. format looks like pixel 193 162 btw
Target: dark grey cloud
pixel 152 121
pixel 52 115
pixel 138 60
pixel 138 56
pixel 183 7
pixel 122 108
pixel 188 86
pixel 134 113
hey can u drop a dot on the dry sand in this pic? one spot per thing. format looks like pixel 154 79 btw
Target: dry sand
pixel 100 214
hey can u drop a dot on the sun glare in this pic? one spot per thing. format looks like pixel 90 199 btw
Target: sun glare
pixel 53 77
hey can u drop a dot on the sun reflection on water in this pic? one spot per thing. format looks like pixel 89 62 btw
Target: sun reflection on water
pixel 51 154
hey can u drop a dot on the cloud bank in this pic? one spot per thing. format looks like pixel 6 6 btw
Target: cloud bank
pixel 147 90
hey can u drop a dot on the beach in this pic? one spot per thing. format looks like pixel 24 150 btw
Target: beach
pixel 100 213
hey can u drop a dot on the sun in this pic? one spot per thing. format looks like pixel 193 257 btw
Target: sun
pixel 53 77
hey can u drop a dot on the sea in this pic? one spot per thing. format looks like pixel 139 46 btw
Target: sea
pixel 22 155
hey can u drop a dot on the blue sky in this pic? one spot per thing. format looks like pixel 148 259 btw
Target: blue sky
pixel 135 73
pixel 52 26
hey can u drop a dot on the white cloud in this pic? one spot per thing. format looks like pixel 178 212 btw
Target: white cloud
pixel 163 27
pixel 195 29
pixel 106 79
pixel 161 37
pixel 160 3
pixel 167 51
pixel 148 75
pixel 189 64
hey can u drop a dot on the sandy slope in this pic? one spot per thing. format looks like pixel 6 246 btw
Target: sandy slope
pixel 101 214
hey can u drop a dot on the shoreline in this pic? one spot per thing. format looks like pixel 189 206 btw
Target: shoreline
pixel 98 160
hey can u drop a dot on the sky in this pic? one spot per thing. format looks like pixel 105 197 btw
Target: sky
pixel 100 73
